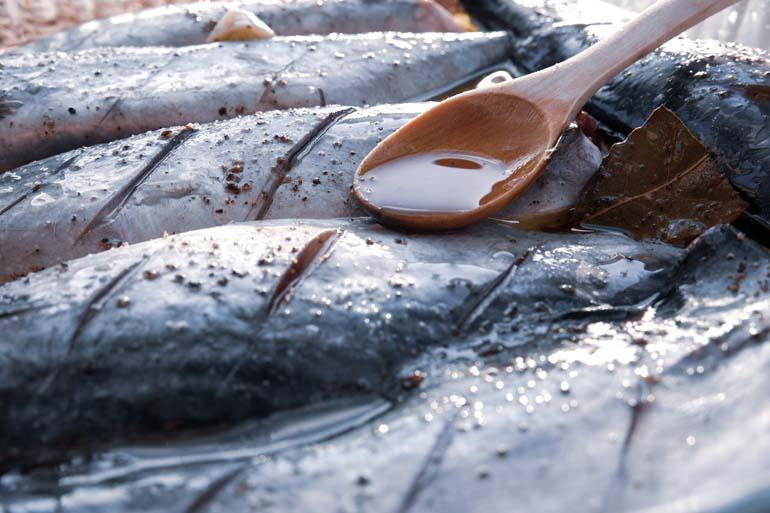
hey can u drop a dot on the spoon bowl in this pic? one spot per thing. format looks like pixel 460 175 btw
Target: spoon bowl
pixel 510 132
pixel 469 156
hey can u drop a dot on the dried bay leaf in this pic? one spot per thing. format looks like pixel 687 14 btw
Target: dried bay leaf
pixel 660 183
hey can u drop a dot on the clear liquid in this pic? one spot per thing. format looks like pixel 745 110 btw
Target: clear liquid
pixel 433 182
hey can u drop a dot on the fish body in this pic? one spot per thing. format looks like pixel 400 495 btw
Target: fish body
pixel 55 102
pixel 191 24
pixel 212 327
pixel 293 164
pixel 721 91
pixel 515 347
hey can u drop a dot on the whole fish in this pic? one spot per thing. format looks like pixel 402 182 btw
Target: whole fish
pixel 190 24
pixel 297 163
pixel 215 326
pixel 721 91
pixel 54 102
pixel 662 397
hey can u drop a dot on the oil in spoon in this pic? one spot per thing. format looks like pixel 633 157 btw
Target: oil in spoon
pixel 432 182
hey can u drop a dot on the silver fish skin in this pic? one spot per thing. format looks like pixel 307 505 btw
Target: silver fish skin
pixel 54 102
pixel 289 164
pixel 190 24
pixel 211 327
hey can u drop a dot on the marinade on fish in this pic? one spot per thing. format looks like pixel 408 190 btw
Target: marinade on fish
pixel 721 91
pixel 215 326
pixel 190 24
pixel 297 164
pixel 54 102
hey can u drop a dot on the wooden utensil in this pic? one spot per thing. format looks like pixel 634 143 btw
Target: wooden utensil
pixel 469 156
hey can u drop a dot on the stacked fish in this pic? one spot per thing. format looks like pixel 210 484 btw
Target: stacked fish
pixel 197 316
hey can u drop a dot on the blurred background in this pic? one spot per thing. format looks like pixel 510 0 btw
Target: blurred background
pixel 747 22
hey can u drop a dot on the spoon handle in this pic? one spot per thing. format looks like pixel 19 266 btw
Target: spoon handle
pixel 579 77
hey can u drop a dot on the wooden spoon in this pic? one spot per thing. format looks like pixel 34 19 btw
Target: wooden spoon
pixel 470 155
